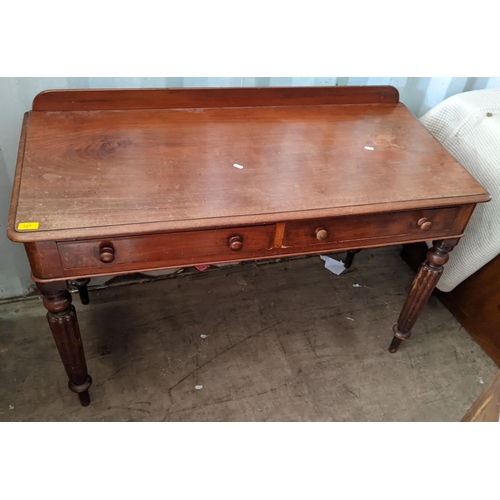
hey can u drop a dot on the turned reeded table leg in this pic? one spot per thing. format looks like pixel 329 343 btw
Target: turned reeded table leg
pixel 426 279
pixel 81 286
pixel 63 322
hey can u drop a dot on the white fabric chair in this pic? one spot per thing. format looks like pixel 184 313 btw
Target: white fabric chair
pixel 468 126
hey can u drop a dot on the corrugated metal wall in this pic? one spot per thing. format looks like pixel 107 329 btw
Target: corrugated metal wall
pixel 16 95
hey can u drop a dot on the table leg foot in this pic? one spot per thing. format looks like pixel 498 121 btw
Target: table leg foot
pixel 84 398
pixel 394 345
pixel 63 323
pixel 426 279
pixel 83 292
pixel 349 258
pixel 82 390
pixel 399 336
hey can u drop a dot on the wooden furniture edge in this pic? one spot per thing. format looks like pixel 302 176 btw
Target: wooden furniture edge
pixel 11 222
pixel 270 256
pixel 234 221
pixel 486 408
pixel 127 99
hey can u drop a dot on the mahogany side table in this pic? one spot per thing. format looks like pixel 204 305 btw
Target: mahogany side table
pixel 119 181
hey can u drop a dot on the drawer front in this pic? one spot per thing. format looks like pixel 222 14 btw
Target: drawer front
pixel 373 228
pixel 165 250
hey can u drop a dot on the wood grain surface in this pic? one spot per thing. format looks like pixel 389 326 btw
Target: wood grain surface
pixel 97 99
pixel 97 173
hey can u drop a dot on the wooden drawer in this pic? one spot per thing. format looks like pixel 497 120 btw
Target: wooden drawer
pixel 165 250
pixel 350 231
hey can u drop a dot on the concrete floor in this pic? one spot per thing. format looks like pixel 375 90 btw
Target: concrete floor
pixel 285 341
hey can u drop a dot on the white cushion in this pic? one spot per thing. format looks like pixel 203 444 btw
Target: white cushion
pixel 468 126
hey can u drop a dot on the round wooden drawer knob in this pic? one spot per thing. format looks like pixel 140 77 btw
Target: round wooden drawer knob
pixel 321 233
pixel 107 254
pixel 424 224
pixel 235 243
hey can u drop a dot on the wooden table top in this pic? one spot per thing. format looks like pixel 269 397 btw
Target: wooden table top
pixel 92 173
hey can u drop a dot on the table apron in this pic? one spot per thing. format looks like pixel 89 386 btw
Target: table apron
pixel 58 260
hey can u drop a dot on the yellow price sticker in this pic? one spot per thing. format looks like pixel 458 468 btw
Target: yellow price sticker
pixel 27 226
